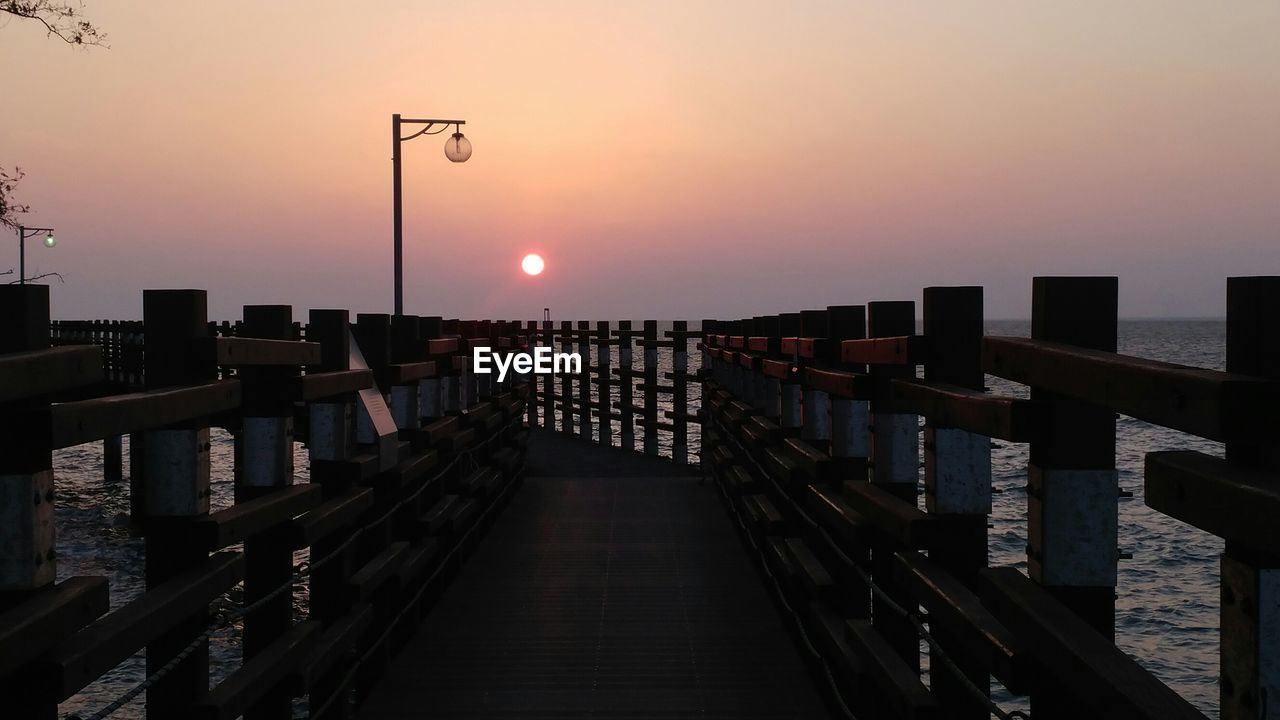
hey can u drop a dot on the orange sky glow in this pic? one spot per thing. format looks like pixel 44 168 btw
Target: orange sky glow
pixel 668 159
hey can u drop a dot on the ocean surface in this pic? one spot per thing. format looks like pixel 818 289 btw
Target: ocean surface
pixel 1167 611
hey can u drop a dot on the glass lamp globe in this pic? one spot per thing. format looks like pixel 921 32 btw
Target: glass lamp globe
pixel 457 148
pixel 49 241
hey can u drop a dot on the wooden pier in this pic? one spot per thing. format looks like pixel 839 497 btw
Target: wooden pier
pixel 465 557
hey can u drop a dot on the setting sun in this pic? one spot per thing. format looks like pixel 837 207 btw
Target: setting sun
pixel 532 264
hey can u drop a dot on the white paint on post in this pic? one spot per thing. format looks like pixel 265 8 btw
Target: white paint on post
pixel 1072 527
pixel 895 448
pixel 429 400
pixel 329 435
pixel 404 406
pixel 817 416
pixel 449 393
pixel 265 449
pixel 850 428
pixel 27 559
pixel 176 472
pixel 957 472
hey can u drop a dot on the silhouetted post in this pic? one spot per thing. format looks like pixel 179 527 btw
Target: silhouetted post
pixel 604 376
pixel 113 458
pixel 626 389
pixel 895 458
pixel 957 478
pixel 816 425
pixel 584 380
pixel 1073 487
pixel 27 558
pixel 680 392
pixel 531 343
pixel 176 476
pixel 407 346
pixel 566 380
pixel 850 419
pixel 1250 663
pixel 264 464
pixel 451 377
pixel 430 397
pixel 789 398
pixel 650 387
pixel 548 381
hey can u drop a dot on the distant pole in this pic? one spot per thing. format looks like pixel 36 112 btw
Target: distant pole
pixel 396 212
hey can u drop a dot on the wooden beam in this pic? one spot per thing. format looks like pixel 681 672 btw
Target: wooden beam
pixel 1208 403
pixel 958 609
pixel 1100 675
pixel 259 675
pixel 245 519
pixel 903 522
pixel 1012 419
pixel 243 351
pixel 86 655
pixel 1235 502
pixel 83 421
pixel 41 372
pixel 901 350
pixel 49 616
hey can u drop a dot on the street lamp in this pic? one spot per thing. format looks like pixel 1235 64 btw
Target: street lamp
pixel 23 234
pixel 457 148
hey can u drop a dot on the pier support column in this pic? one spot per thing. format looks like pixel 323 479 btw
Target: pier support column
pixel 113 458
pixel 1250 651
pixel 1073 488
pixel 264 464
pixel 957 481
pixel 895 466
pixel 626 386
pixel 176 483
pixel 680 392
pixel 604 382
pixel 27 557
pixel 651 387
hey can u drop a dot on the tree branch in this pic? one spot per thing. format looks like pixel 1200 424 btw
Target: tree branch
pixel 60 19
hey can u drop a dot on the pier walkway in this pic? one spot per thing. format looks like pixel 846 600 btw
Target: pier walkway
pixel 612 586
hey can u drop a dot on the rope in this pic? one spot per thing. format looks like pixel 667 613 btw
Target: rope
pixel 302 570
pixel 978 693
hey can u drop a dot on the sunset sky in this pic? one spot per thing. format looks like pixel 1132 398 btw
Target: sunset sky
pixel 669 159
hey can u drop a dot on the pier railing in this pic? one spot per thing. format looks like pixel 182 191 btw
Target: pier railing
pixel 410 458
pixel 812 430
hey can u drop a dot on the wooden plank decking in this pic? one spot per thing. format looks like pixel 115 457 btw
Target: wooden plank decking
pixel 613 586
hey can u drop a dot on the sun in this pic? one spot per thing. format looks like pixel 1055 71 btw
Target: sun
pixel 532 264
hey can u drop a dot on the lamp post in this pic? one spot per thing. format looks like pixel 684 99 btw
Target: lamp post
pixel 24 233
pixel 457 148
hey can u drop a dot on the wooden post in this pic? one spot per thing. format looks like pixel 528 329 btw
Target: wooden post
pixel 680 392
pixel 790 393
pixel 430 397
pixel 1073 489
pixel 331 440
pixel 548 381
pixel 957 479
pixel 1250 652
pixel 650 387
pixel 626 389
pixel 850 419
pixel 816 423
pixel 584 379
pixel 530 344
pixel 113 458
pixel 895 458
pixel 407 346
pixel 604 361
pixel 27 557
pixel 176 477
pixel 264 464
pixel 566 380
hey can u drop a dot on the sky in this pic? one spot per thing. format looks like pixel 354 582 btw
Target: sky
pixel 669 159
